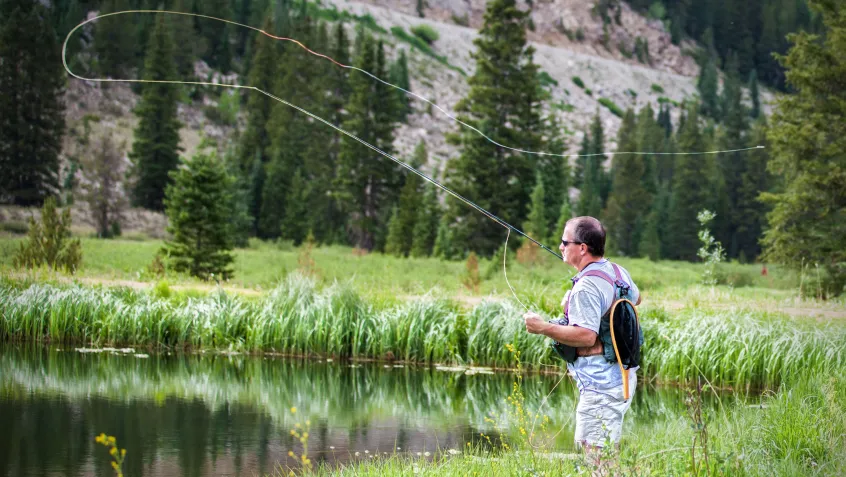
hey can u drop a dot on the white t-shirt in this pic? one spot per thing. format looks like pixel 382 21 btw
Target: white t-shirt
pixel 590 298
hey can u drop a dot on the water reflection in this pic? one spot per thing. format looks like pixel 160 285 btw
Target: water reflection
pixel 230 415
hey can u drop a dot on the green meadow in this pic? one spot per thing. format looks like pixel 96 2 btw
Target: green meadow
pixel 768 345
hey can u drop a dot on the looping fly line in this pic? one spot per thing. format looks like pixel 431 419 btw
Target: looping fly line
pixel 406 166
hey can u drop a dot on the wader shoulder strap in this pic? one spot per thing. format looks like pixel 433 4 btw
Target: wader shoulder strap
pixel 617 283
pixel 589 273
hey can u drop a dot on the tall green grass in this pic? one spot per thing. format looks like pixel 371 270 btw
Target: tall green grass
pixel 740 349
pixel 729 348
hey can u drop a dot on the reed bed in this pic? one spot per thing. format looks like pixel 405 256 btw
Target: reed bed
pixel 729 348
pixel 735 348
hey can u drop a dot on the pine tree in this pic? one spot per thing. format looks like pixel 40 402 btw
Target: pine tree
pixel 555 171
pixel 807 222
pixel 298 144
pixel 144 26
pixel 751 212
pixel 394 244
pixel 708 85
pixel 243 11
pixel 273 197
pixel 565 214
pixel 665 120
pixel 319 162
pixel 66 19
pixel 691 191
pixel 536 225
pixel 406 214
pixel 754 95
pixel 581 160
pixel 155 151
pixel 31 107
pixel 339 79
pixel 661 206
pixel 252 148
pixel 629 198
pixel 650 138
pixel 296 224
pixel 242 219
pixel 255 140
pixel 103 172
pixel 114 40
pixel 426 224
pixel 217 34
pixel 732 164
pixel 650 240
pixel 368 182
pixel 399 77
pixel 190 46
pixel 254 195
pixel 597 137
pixel 504 103
pixel 593 184
pixel 444 247
pixel 198 206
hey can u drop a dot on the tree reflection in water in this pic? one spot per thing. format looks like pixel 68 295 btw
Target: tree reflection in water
pixel 212 414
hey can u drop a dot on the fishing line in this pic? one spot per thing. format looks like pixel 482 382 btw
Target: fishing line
pixel 404 165
pixel 488 214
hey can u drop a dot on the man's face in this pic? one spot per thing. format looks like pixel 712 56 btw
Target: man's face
pixel 572 252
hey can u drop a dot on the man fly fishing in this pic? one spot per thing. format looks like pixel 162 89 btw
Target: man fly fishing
pixel 599 336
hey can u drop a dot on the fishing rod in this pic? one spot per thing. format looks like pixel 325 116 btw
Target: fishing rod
pixel 406 166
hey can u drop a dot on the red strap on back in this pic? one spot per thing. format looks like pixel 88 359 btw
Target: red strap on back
pixel 597 273
pixel 600 274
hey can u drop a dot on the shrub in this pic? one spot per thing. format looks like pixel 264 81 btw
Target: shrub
pixel 657 11
pixel 624 49
pixel 14 227
pixel 663 99
pixel 642 50
pixel 657 88
pixel 462 20
pixel 49 243
pixel 546 80
pixel 711 252
pixel 588 92
pixel 228 106
pixel 426 33
pixel 471 278
pixel 421 45
pixel 161 290
pixel 562 106
pixel 559 25
pixel 580 34
pixel 611 106
pixel 631 93
pixel 578 82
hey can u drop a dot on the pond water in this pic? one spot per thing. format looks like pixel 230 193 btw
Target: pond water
pixel 213 414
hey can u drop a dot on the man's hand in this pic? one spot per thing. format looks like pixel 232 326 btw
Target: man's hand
pixel 534 323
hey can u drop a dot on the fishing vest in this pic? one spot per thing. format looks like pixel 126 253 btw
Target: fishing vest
pixel 619 328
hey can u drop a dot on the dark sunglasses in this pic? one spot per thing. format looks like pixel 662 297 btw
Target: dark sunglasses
pixel 565 242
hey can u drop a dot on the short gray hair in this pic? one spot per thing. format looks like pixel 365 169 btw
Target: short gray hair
pixel 589 231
